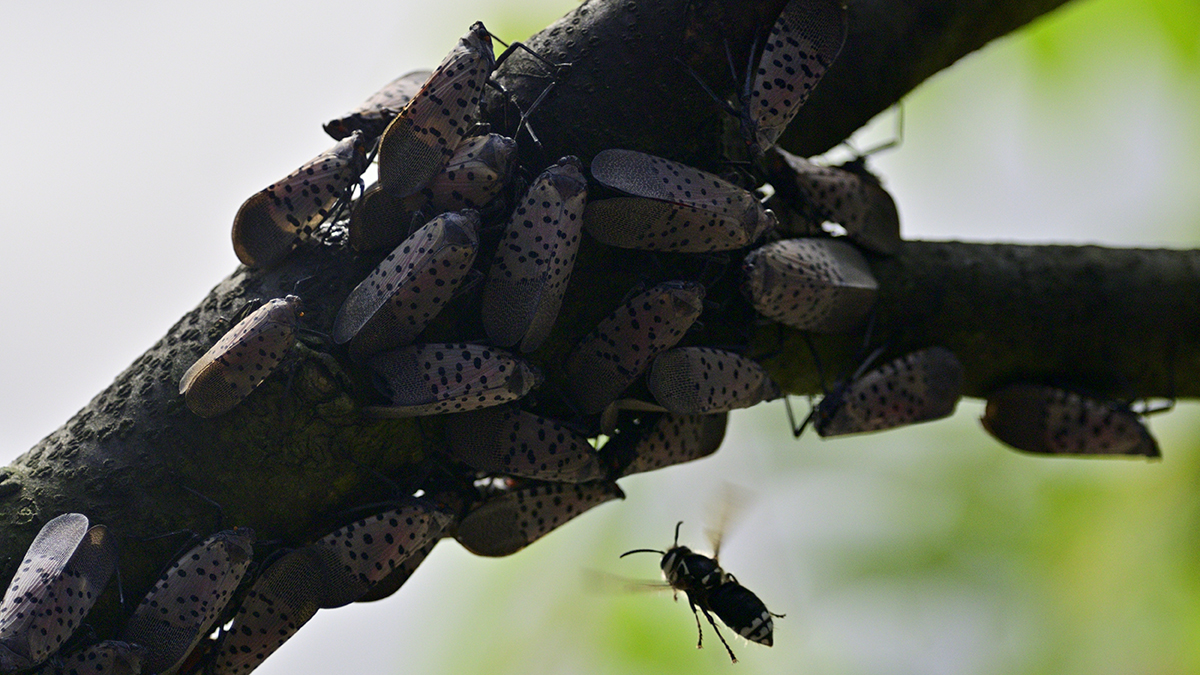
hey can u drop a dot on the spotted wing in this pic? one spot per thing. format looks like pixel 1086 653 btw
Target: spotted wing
pixel 669 440
pixel 510 441
pixel 850 196
pixel 373 115
pixel 515 519
pixel 815 284
pixel 430 379
pixel 110 657
pixel 1050 420
pixel 478 171
pixel 921 386
pixel 701 380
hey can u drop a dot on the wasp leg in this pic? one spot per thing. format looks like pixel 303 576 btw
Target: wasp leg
pixel 718 632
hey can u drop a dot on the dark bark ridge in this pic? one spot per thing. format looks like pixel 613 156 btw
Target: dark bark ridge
pixel 293 457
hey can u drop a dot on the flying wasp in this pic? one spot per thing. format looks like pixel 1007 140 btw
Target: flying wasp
pixel 714 591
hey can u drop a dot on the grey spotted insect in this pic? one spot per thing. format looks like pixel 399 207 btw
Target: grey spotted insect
pixel 278 604
pixel 671 207
pixel 666 441
pixel 819 285
pixel 424 135
pixel 702 380
pixel 189 597
pixel 803 42
pixel 59 579
pixel 274 221
pixel 410 286
pixel 532 266
pixel 920 386
pixel 608 359
pixel 518 443
pixel 359 555
pixel 712 590
pixel 849 195
pixel 242 359
pixel 436 378
pixel 514 519
pixel 1054 421
pixel 110 657
pixel 373 116
pixel 391 583
pixel 480 168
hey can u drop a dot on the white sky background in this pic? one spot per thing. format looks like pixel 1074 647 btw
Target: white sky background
pixel 133 131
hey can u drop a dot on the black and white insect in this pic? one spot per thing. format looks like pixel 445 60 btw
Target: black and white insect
pixel 61 576
pixel 242 359
pixel 275 220
pixel 360 554
pixel 517 443
pixel 671 207
pixel 611 357
pixel 436 378
pixel 819 285
pixel 279 603
pixel 703 380
pixel 410 286
pixel 519 516
pixel 667 440
pixel 1054 421
pixel 110 657
pixel 712 590
pixel 920 386
pixel 373 116
pixel 189 597
pixel 849 195
pixel 532 266
pixel 422 138
pixel 388 585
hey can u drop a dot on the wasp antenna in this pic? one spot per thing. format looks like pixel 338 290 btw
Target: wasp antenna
pixel 677 525
pixel 642 550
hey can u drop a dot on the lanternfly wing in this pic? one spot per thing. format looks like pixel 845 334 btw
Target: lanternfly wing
pixel 805 40
pixel 241 359
pixel 691 211
pixel 392 582
pixel 430 379
pixel 475 174
pixel 408 289
pixel 373 115
pixel 918 387
pixel 510 441
pixel 274 221
pixel 515 519
pixel 366 551
pixel 701 380
pixel 611 357
pixel 1050 420
pixel 110 657
pixel 529 274
pixel 278 603
pixel 848 195
pixel 423 137
pixel 188 598
pixel 671 439
pixel 58 581
pixel 820 285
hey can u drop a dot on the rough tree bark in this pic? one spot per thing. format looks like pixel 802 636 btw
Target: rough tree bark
pixel 1007 311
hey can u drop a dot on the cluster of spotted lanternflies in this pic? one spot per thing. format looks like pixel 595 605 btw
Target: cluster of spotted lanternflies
pixel 531 473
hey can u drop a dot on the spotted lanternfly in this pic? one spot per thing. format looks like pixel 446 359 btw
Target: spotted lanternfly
pixel 714 591
pixel 671 207
pixel 274 221
pixel 612 356
pixel 373 116
pixel 518 443
pixel 533 264
pixel 918 387
pixel 241 359
pixel 475 175
pixel 701 380
pixel 58 581
pixel 408 289
pixel 422 138
pixel 848 195
pixel 278 603
pixel 181 608
pixel 392 582
pixel 430 379
pixel 362 553
pixel 668 440
pixel 803 43
pixel 514 519
pixel 110 657
pixel 819 285
pixel 1053 421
